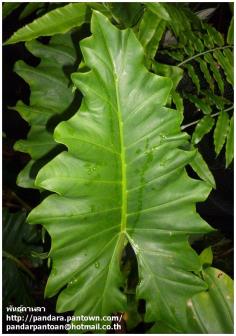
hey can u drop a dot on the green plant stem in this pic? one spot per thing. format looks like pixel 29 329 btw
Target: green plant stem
pixel 19 263
pixel 203 53
pixel 212 115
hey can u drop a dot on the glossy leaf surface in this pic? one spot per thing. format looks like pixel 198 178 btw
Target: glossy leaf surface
pixel 122 179
pixel 57 21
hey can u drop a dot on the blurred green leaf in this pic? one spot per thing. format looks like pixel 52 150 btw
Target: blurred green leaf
pixel 194 77
pixel 159 10
pixel 230 35
pixel 230 143
pixel 30 8
pixel 221 131
pixel 125 14
pixel 19 240
pixel 9 7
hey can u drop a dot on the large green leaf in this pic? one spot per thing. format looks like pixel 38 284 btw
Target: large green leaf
pixel 50 96
pixel 57 21
pixel 122 179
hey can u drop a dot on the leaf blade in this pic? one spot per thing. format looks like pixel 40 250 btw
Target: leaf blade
pixel 150 32
pixel 221 131
pixel 230 34
pixel 8 8
pixel 121 144
pixel 159 10
pixel 47 80
pixel 230 143
pixel 57 21
pixel 203 127
pixel 206 313
pixel 200 167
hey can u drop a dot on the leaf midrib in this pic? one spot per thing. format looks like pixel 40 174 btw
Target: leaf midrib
pixel 122 152
pixel 123 163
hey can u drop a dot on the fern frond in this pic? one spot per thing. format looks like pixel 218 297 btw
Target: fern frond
pixel 229 154
pixel 201 168
pixel 215 71
pixel 221 131
pixel 203 127
pixel 194 77
pixel 230 34
pixel 225 65
pixel 200 103
pixel 204 68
